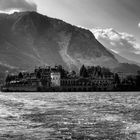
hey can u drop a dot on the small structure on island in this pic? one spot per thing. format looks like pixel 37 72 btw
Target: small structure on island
pixel 55 79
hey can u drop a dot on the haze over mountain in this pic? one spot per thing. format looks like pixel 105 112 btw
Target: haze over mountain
pixel 29 39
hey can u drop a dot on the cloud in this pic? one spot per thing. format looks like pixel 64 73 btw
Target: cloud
pixel 21 5
pixel 139 25
pixel 122 43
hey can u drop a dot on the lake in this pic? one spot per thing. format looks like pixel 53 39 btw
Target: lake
pixel 70 116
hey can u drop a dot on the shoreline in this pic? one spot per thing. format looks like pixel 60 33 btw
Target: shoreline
pixel 58 89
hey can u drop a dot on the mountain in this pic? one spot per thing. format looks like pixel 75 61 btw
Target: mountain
pixel 123 59
pixel 125 65
pixel 127 68
pixel 29 39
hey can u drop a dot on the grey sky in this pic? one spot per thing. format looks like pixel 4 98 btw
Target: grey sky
pixel 22 5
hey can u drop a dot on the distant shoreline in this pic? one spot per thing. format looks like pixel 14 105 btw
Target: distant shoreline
pixel 35 89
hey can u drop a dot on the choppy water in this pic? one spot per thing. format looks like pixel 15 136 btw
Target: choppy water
pixel 70 116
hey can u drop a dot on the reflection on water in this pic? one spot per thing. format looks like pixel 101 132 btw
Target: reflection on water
pixel 70 116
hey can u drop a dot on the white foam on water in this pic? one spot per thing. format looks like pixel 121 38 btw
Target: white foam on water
pixel 108 117
pixel 4 112
pixel 132 127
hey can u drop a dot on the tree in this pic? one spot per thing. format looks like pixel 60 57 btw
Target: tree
pixel 62 71
pixel 138 73
pixel 20 75
pixel 38 75
pixel 8 79
pixel 138 81
pixel 116 79
pixel 83 72
pixel 73 73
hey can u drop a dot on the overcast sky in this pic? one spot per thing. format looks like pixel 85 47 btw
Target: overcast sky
pixel 120 16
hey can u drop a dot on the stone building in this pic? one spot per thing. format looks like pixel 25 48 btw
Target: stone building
pixel 55 79
pixel 77 84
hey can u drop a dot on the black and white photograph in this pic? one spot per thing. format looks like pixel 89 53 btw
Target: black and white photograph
pixel 69 69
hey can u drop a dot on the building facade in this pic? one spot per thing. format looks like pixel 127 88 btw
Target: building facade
pixel 55 79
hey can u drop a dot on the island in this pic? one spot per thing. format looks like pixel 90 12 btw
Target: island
pixel 58 79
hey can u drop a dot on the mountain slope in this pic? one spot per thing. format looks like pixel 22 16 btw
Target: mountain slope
pixel 122 59
pixel 127 68
pixel 28 39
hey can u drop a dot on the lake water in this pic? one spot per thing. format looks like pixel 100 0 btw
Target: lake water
pixel 70 116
